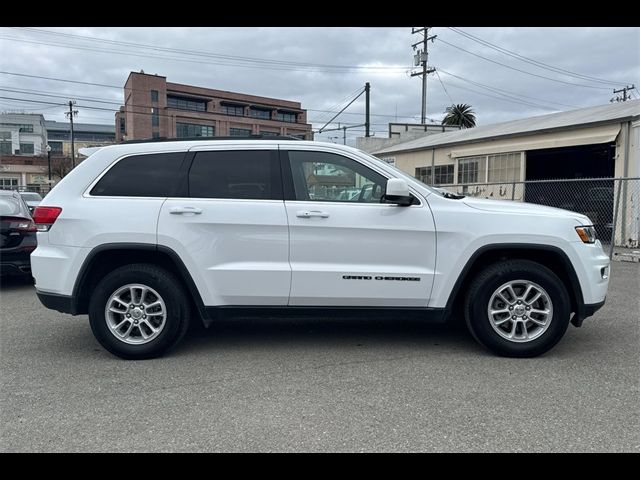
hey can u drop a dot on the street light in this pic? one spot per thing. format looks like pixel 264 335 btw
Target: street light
pixel 48 148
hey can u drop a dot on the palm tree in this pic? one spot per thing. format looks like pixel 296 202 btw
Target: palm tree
pixel 461 115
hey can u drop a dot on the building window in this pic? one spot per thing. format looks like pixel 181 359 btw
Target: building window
pixel 472 169
pixel 187 130
pixel 5 148
pixel 154 96
pixel 267 133
pixel 26 148
pixel 8 182
pixel 301 136
pixel 26 128
pixel 504 167
pixel 155 119
pixel 122 125
pixel 95 137
pixel 286 117
pixel 442 174
pixel 186 104
pixel 240 132
pixel 230 109
pixel 155 135
pixel 59 135
pixel 56 148
pixel 260 113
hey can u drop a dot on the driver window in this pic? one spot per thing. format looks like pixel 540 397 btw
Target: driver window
pixel 328 177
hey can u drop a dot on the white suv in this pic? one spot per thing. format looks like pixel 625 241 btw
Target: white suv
pixel 140 235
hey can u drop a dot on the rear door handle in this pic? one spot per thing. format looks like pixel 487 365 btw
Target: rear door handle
pixel 181 210
pixel 311 213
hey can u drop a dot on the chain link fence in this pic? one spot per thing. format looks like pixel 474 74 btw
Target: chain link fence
pixel 612 204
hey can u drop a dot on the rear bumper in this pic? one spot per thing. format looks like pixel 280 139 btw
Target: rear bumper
pixel 53 301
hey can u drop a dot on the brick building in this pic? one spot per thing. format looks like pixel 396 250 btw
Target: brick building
pixel 155 108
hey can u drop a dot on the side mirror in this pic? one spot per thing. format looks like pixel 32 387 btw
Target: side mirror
pixel 398 192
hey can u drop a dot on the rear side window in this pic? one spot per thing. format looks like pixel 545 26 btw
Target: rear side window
pixel 243 174
pixel 153 175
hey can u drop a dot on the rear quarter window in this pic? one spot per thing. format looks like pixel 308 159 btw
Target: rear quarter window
pixel 151 175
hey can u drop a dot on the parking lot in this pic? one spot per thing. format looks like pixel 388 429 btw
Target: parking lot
pixel 319 385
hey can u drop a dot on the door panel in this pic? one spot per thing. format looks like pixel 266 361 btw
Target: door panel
pixel 234 236
pixel 238 249
pixel 347 248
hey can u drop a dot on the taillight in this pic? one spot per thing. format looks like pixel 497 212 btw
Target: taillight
pixel 45 217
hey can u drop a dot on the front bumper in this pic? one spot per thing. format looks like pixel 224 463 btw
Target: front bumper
pixel 586 311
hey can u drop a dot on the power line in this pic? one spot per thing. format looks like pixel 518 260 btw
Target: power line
pixel 444 88
pixel 101 100
pixel 347 106
pixel 225 60
pixel 519 70
pixel 208 54
pixel 505 92
pixel 522 58
pixel 504 99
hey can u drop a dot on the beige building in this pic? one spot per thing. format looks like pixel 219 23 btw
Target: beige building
pixel 488 161
pixel 155 108
pixel 402 132
pixel 592 142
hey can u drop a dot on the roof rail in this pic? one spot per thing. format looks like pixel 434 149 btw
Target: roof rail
pixel 190 139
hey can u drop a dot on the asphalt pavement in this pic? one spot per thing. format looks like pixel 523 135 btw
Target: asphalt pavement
pixel 319 385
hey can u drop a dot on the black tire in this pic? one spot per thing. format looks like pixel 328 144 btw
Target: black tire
pixel 166 285
pixel 489 280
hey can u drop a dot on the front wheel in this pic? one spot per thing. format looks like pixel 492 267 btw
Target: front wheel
pixel 139 311
pixel 517 308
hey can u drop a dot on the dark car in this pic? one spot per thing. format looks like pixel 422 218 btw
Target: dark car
pixel 17 235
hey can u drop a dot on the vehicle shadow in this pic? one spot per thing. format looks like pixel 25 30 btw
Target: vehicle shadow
pixel 322 331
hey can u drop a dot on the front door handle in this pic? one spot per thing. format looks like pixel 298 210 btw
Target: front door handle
pixel 311 213
pixel 181 210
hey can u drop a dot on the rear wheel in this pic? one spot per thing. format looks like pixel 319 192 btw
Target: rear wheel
pixel 139 311
pixel 517 308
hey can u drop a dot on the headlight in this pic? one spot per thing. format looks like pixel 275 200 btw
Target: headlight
pixel 587 233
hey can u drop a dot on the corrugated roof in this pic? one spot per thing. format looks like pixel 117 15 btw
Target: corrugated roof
pixel 582 117
pixel 80 127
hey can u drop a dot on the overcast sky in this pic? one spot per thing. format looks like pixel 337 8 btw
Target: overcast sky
pixel 323 68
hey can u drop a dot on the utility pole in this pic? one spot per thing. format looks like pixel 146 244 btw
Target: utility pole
pixel 71 113
pixel 625 97
pixel 422 58
pixel 367 123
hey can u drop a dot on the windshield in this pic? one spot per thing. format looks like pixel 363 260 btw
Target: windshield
pixel 31 196
pixel 437 190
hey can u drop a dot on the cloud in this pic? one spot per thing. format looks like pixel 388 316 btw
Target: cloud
pixel 607 53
